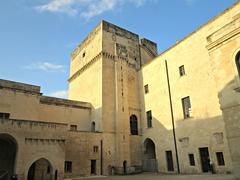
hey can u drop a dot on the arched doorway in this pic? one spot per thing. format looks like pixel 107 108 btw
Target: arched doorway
pixel 8 150
pixel 40 170
pixel 149 161
pixel 238 63
pixel 133 125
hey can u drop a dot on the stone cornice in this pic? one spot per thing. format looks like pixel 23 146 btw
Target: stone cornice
pixel 225 33
pixel 95 59
pixel 86 66
pixel 64 102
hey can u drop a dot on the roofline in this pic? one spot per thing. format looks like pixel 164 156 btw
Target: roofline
pixel 195 31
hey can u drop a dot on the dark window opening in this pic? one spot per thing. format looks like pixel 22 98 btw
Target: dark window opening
pixel 95 149
pixel 149 119
pixel 146 89
pixel 182 70
pixel 48 169
pixel 133 125
pixel 191 159
pixel 73 127
pixel 186 104
pixel 68 167
pixel 84 54
pixel 220 159
pixel 4 115
pixel 93 127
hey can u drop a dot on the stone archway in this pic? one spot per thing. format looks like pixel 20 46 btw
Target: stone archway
pixel 237 60
pixel 40 170
pixel 8 152
pixel 149 161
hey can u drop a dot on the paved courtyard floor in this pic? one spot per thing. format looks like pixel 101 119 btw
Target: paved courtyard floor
pixel 146 176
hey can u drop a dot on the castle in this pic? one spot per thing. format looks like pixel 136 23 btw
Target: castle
pixel 130 109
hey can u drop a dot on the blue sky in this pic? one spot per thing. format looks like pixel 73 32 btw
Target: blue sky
pixel 38 36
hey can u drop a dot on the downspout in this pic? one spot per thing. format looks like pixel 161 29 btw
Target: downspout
pixel 173 122
pixel 101 165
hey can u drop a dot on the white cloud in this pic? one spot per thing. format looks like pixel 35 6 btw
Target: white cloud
pixel 46 66
pixel 86 8
pixel 60 94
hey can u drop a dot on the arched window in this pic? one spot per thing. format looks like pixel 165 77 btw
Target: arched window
pixel 238 63
pixel 93 127
pixel 133 125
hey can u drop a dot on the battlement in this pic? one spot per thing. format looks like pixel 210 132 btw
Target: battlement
pixel 86 41
pixel 17 86
pixel 64 102
pixel 32 89
pixel 112 28
pixel 150 45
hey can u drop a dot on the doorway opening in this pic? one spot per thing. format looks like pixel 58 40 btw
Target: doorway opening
pixel 8 150
pixel 169 158
pixel 124 167
pixel 40 170
pixel 149 161
pixel 93 167
pixel 205 159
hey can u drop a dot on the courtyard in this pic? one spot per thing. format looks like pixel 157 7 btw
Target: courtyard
pixel 149 176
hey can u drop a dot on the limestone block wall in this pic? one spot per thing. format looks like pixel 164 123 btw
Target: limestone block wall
pixel 80 151
pixel 36 140
pixel 39 125
pixel 199 83
pixel 223 48
pixel 120 89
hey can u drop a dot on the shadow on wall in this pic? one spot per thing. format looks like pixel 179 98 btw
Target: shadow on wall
pixel 200 142
pixel 229 99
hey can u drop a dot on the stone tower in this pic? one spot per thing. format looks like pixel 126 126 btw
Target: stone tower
pixel 104 72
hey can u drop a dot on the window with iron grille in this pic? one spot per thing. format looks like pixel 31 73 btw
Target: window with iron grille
pixel 4 115
pixel 73 127
pixel 191 159
pixel 68 167
pixel 182 70
pixel 186 104
pixel 95 149
pixel 220 158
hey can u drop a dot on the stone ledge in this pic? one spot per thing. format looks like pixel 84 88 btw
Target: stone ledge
pixel 17 86
pixel 64 102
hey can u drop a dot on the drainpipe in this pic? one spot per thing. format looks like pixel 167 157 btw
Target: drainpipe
pixel 173 122
pixel 101 158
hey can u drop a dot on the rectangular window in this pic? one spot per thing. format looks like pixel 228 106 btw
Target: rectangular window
pixel 146 89
pixel 191 159
pixel 68 167
pixel 220 158
pixel 149 119
pixel 95 149
pixel 4 115
pixel 73 127
pixel 186 107
pixel 182 70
